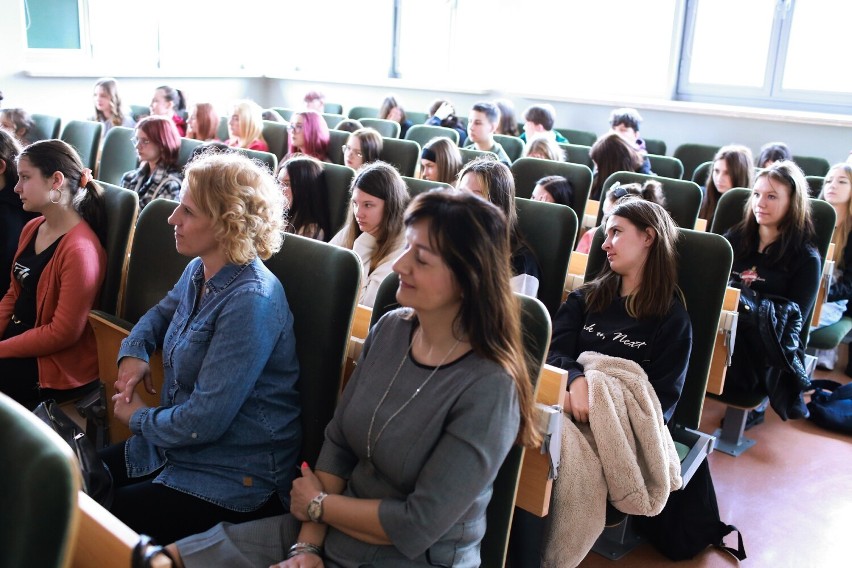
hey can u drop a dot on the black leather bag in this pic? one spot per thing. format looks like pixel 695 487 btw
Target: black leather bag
pixel 97 480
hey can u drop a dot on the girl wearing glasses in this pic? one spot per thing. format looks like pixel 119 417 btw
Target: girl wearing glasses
pixel 157 144
pixel 47 349
pixel 303 182
pixel 246 127
pixel 308 135
pixel 363 147
pixel 374 228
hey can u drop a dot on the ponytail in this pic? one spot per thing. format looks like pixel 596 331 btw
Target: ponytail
pixel 89 202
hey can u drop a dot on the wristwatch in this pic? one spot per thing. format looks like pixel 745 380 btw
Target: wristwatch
pixel 315 507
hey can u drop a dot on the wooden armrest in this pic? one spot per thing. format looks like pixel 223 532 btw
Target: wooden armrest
pixel 360 329
pixel 718 364
pixel 701 224
pixel 361 322
pixel 103 541
pixel 109 332
pixel 592 207
pixel 824 283
pixel 534 487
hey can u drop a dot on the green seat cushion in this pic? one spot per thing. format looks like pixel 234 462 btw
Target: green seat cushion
pixel 682 451
pixel 830 336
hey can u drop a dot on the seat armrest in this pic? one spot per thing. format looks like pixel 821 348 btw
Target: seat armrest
pixel 700 446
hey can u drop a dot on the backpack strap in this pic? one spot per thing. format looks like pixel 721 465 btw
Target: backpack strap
pixel 739 552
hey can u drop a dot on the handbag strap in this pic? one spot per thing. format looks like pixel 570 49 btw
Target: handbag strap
pixel 145 550
pixel 739 552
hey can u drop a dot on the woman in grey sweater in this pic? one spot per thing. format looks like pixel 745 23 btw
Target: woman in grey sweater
pixel 440 395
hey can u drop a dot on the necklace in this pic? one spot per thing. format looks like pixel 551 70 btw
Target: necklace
pixel 370 442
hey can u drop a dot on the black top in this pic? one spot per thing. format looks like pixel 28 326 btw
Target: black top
pixel 841 286
pixel 524 262
pixel 12 221
pixel 661 345
pixel 27 271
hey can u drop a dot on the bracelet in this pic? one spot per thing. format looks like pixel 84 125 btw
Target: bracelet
pixel 304 548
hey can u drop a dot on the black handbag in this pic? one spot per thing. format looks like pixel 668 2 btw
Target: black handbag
pixel 97 479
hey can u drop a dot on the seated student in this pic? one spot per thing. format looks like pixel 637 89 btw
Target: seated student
pixel 374 228
pixel 47 349
pixel 306 195
pixel 610 154
pixel 223 444
pixel 493 181
pixel 362 147
pixel 538 122
pixel 651 191
pixel 773 256
pixel 773 152
pixel 443 113
pixel 308 135
pixel 245 126
pixel 392 110
pixel 626 122
pixel 13 217
pixel 481 125
pixel 732 167
pixel 386 489
pixel 203 123
pixel 170 103
pixel 314 100
pixel 157 144
pixel 545 149
pixel 349 125
pixel 18 123
pixel 554 189
pixel 109 110
pixel 508 124
pixel 837 190
pixel 440 160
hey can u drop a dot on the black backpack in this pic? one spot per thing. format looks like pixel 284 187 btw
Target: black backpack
pixel 690 522
pixel 831 405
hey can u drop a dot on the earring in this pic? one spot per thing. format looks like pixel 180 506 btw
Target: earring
pixel 50 195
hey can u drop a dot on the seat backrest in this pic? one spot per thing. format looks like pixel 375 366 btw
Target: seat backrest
pixel 657 147
pixel 469 154
pixel 417 117
pixel 332 120
pixel 583 137
pixel 118 155
pixel 275 134
pixel 268 159
pixel 578 154
pixel 693 155
pixel 322 283
pixel 701 172
pixel 666 166
pixel 333 108
pixel 536 328
pixel 704 266
pixel 38 488
pixel 527 172
pixel 85 137
pixel 359 112
pixel 187 145
pixel 815 184
pixel 338 179
pixel 812 165
pixel 387 128
pixel 122 206
pixel 285 113
pixel 138 112
pixel 153 246
pixel 45 127
pixel 417 186
pixel 512 145
pixel 729 212
pixel 403 154
pixel 336 140
pixel 683 198
pixel 422 133
pixel 222 132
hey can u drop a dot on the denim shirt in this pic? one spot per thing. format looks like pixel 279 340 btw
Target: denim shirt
pixel 227 429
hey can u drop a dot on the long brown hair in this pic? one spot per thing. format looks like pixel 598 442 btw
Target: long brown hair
pixel 611 153
pixel 659 273
pixel 381 180
pixel 738 160
pixel 470 235
pixel 447 158
pixel 842 232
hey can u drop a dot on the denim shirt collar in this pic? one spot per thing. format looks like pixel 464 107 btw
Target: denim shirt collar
pixel 221 280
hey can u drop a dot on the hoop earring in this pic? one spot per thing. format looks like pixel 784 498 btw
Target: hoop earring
pixel 50 196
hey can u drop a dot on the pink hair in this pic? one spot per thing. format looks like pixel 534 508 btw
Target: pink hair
pixel 162 132
pixel 316 135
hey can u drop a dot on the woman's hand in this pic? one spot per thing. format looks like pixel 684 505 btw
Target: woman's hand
pixel 578 399
pixel 306 560
pixel 130 372
pixel 304 489
pixel 124 410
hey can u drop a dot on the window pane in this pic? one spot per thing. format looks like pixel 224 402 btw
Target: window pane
pixel 731 42
pixel 818 51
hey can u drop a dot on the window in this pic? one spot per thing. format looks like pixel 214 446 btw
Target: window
pixel 771 53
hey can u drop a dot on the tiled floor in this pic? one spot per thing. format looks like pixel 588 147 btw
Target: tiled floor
pixel 790 495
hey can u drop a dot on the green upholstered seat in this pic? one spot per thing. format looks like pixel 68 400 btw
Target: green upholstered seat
pixel 417 186
pixel 122 207
pixel 683 198
pixel 44 127
pixel 387 128
pixel 338 180
pixel 402 154
pixel 583 137
pixel 666 166
pixel 85 137
pixel 423 133
pixel 118 155
pixel 527 172
pixel 693 155
pixel 512 145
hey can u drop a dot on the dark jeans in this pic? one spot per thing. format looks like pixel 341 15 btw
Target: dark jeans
pixel 164 513
pixel 525 540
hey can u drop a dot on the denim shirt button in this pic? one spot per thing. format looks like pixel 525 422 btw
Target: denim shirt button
pixel 194 435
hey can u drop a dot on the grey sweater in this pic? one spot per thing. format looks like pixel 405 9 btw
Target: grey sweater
pixel 433 465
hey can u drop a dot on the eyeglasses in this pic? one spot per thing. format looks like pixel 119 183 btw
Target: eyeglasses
pixel 284 183
pixel 347 148
pixel 295 127
pixel 139 141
